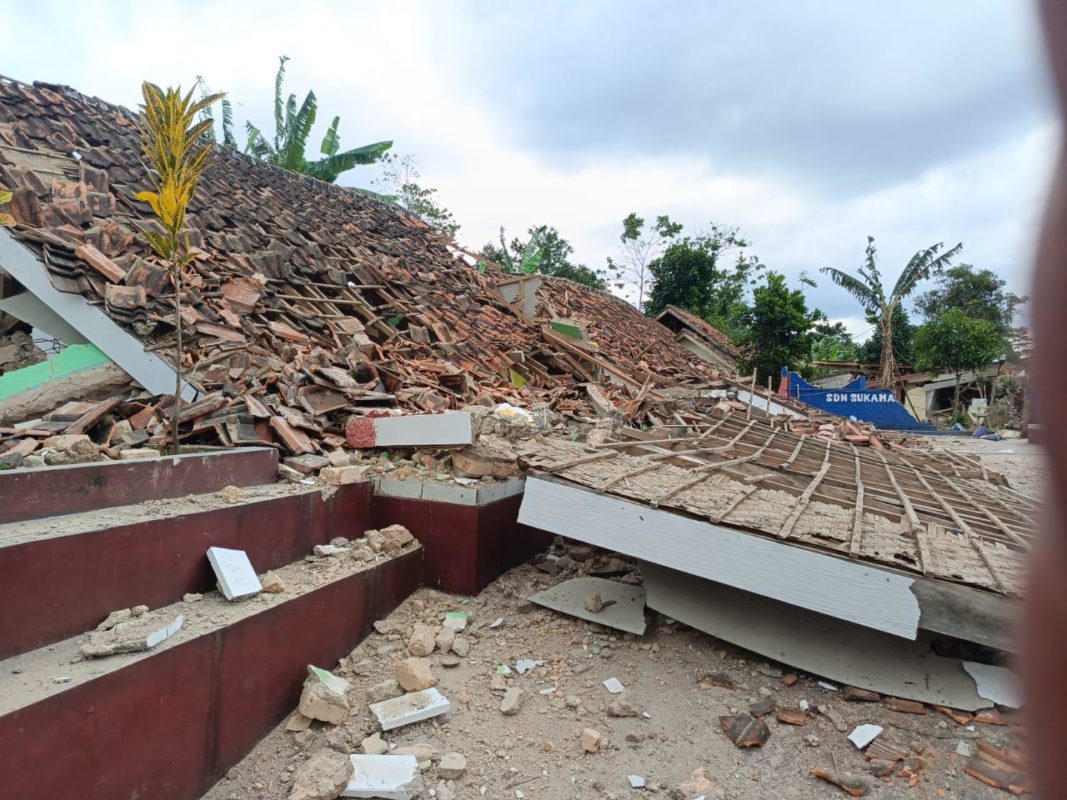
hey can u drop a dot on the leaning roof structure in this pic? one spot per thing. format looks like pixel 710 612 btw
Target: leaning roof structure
pixel 306 301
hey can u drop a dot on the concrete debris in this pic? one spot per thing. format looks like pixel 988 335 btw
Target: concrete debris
pixel 455 621
pixel 322 777
pixel 328 550
pixel 698 783
pixel 443 641
pixel 832 714
pixel 272 583
pixel 414 675
pixel 298 722
pixel 450 660
pixel 385 690
pixel 590 740
pixel 594 603
pixel 374 745
pixel 409 708
pixel 324 697
pixel 389 539
pixel 342 476
pixel 390 777
pixel 745 730
pixel 453 766
pixel 127 632
pixel 234 572
pixel 422 640
pixel 461 646
pixel 192 597
pixel 233 494
pixel 621 707
pixel 69 448
pixel 512 702
pixel 863 735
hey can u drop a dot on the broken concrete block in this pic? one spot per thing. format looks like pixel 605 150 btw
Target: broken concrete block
pixel 298 722
pixel 342 476
pixel 698 783
pixel 390 777
pixel 69 448
pixel 324 697
pixel 453 766
pixel 234 572
pixel 422 640
pixel 233 494
pixel 414 674
pixel 455 621
pixel 388 539
pixel 374 745
pixel 590 740
pixel 131 635
pixel 272 583
pixel 425 754
pixel 385 690
pixel 444 639
pixel 327 550
pixel 411 430
pixel 322 777
pixel 461 646
pixel 512 702
pixel 409 708
pixel 622 707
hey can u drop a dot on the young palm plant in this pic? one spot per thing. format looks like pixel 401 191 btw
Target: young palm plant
pixel 176 150
pixel 292 126
pixel 867 288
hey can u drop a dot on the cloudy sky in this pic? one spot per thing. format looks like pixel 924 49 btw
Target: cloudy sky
pixel 808 124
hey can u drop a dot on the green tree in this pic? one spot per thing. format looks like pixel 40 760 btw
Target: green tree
pixel 292 126
pixel 778 328
pixel 978 293
pixel 546 252
pixel 870 352
pixel 640 247
pixel 691 274
pixel 955 342
pixel 832 343
pixel 878 304
pixel 399 182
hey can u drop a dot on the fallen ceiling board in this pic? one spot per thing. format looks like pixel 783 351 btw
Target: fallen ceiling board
pixel 967 613
pixel 625 609
pixel 838 651
pixel 148 369
pixel 855 592
pixel 412 430
pixel 998 684
pixel 29 309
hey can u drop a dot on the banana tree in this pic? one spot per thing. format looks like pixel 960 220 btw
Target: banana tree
pixel 868 289
pixel 292 127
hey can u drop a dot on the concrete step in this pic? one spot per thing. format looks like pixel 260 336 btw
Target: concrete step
pixel 166 724
pixel 50 491
pixel 63 575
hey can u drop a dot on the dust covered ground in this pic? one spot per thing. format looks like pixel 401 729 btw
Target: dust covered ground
pixel 537 754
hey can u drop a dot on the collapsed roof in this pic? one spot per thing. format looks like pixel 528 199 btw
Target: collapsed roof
pixel 306 302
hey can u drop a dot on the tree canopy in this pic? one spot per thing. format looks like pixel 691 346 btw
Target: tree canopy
pixel 399 182
pixel 641 245
pixel 955 342
pixel 545 252
pixel 879 304
pixel 778 328
pixel 978 293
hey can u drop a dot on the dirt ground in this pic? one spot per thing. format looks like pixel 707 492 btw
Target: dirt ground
pixel 537 754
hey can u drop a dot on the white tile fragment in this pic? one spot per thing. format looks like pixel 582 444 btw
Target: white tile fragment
pixel 234 571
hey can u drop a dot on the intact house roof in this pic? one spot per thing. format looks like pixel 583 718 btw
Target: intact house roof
pixel 306 302
pixel 700 337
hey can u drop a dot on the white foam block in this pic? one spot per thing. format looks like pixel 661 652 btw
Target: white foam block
pixel 863 735
pixel 390 777
pixel 165 632
pixel 409 708
pixel 234 571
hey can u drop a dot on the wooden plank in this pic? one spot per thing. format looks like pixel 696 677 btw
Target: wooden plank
pixel 857 519
pixel 805 497
pixel 909 510
pixel 706 470
pixel 860 593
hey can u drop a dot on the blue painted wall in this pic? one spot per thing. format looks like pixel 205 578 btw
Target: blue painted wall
pixel 856 400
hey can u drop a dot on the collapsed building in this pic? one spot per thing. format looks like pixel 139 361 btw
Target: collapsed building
pixel 331 333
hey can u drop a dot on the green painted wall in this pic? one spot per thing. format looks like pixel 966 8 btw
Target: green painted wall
pixel 74 359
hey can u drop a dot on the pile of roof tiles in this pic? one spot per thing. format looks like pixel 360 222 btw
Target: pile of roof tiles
pixel 306 303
